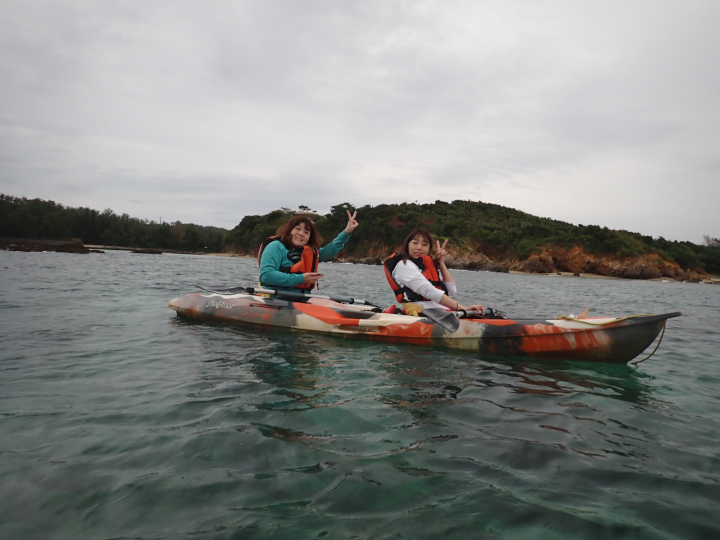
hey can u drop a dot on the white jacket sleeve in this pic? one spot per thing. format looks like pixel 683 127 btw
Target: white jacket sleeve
pixel 408 274
pixel 452 289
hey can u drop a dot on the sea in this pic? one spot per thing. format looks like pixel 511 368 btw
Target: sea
pixel 119 420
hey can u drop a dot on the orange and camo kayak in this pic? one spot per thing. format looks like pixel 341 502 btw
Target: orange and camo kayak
pixel 606 339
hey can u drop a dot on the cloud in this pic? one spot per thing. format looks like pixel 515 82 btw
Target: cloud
pixel 600 113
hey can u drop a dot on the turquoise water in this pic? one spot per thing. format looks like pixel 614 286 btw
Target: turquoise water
pixel 119 420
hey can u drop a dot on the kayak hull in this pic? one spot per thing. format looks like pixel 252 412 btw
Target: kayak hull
pixel 599 340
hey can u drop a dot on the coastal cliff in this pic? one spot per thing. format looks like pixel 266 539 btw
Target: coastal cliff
pixel 576 260
pixel 554 259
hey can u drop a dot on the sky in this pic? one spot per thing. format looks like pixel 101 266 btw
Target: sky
pixel 591 112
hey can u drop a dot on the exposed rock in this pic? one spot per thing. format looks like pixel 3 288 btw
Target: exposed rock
pixel 31 246
pixel 497 267
pixel 374 261
pixel 640 271
pixel 474 261
pixel 147 251
pixel 539 264
pixel 553 260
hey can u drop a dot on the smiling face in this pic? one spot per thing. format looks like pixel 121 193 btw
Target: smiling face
pixel 418 247
pixel 300 235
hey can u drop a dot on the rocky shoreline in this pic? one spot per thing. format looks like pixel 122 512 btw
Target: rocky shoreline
pixel 552 261
pixel 69 246
pixel 568 262
pixel 60 246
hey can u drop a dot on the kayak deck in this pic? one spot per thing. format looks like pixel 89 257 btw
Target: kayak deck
pixel 598 339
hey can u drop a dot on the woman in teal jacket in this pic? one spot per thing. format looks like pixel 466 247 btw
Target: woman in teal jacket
pixel 288 261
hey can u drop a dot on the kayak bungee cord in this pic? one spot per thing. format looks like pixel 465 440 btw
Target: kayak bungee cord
pixel 576 319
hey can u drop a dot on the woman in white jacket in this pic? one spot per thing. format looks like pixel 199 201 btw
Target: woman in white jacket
pixel 420 280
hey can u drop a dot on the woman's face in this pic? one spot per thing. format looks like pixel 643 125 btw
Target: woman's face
pixel 300 235
pixel 418 247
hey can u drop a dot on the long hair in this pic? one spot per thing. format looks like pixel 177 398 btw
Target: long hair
pixel 406 242
pixel 284 231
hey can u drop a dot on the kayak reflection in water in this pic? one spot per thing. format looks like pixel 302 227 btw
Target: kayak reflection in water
pixel 289 260
pixel 414 278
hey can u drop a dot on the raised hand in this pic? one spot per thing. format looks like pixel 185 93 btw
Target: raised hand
pixel 440 252
pixel 352 224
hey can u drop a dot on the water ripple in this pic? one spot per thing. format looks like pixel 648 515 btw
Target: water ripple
pixel 119 420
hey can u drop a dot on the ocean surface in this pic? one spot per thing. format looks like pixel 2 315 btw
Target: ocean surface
pixel 120 420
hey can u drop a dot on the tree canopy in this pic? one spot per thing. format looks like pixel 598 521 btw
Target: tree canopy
pixel 471 225
pixel 40 219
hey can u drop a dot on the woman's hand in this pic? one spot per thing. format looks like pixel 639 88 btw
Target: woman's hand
pixel 352 224
pixel 476 307
pixel 311 278
pixel 457 306
pixel 440 253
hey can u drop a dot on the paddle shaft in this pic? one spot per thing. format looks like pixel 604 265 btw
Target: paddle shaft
pixel 295 297
pixel 303 297
pixel 445 316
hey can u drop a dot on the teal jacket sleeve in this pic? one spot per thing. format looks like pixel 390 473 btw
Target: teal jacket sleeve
pixel 273 257
pixel 334 247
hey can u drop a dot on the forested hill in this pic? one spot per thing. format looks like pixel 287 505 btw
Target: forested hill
pixel 479 233
pixel 498 232
pixel 40 219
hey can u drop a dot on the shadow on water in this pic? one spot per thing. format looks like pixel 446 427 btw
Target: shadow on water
pixel 291 361
pixel 310 372
pixel 620 382
pixel 452 371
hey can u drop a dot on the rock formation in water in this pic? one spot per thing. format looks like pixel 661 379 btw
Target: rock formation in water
pixel 44 245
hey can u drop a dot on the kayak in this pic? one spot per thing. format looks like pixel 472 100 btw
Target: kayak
pixel 597 339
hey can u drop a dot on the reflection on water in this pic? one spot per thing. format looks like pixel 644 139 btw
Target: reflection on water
pixel 559 379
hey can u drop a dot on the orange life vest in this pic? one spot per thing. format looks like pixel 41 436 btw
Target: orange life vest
pixel 426 265
pixel 309 259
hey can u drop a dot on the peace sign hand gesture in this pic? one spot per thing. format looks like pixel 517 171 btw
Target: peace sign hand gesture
pixel 352 224
pixel 441 252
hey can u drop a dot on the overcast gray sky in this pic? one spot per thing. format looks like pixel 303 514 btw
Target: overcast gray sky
pixel 593 112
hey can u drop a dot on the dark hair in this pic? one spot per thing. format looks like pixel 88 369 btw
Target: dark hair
pixel 406 242
pixel 315 240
